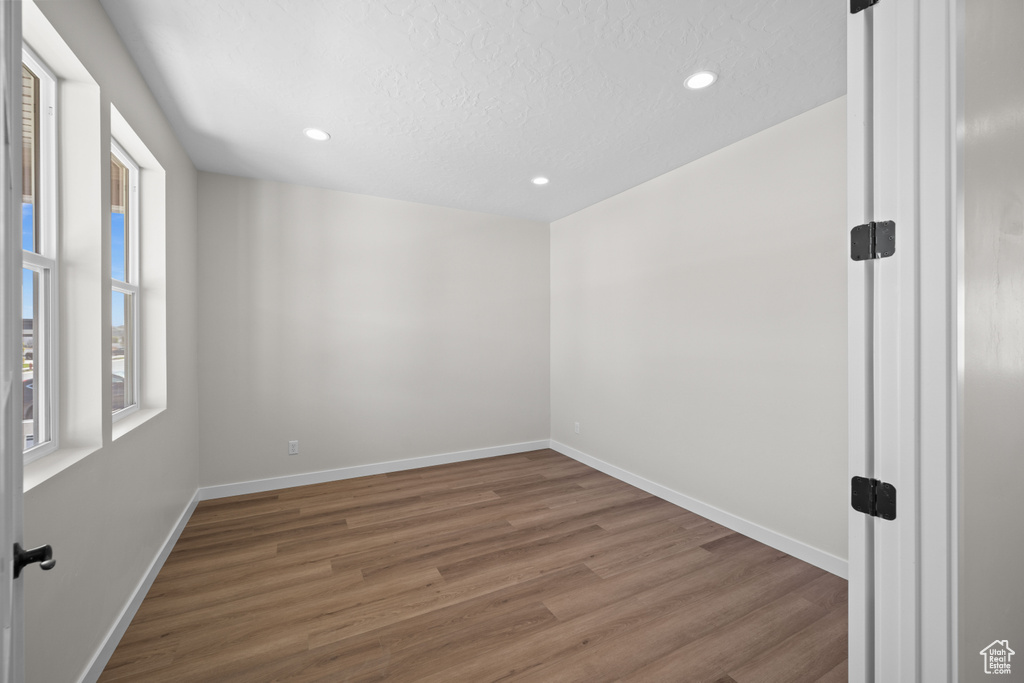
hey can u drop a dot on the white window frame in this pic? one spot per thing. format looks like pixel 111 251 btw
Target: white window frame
pixel 44 261
pixel 131 286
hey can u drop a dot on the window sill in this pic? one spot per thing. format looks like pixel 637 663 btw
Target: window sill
pixel 52 464
pixel 38 471
pixel 133 420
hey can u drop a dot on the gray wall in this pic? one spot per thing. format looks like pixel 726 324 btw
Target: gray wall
pixel 698 329
pixel 108 514
pixel 992 507
pixel 368 329
pixel 694 326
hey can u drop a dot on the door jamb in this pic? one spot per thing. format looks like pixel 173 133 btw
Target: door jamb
pixel 915 562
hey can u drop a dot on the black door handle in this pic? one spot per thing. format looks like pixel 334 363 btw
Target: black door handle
pixel 22 558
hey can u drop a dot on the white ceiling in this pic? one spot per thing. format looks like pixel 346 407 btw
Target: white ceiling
pixel 461 102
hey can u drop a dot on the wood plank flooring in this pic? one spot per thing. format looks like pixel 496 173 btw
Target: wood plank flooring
pixel 528 567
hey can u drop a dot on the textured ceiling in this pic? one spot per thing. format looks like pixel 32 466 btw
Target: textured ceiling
pixel 461 102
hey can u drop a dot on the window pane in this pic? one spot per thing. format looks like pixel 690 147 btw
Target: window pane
pixel 117 246
pixel 29 357
pixel 39 241
pixel 118 219
pixel 28 226
pixel 29 158
pixel 122 362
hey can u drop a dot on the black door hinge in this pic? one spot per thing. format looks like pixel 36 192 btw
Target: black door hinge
pixel 858 5
pixel 873 497
pixel 873 240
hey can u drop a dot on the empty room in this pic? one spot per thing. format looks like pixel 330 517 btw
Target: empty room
pixel 519 340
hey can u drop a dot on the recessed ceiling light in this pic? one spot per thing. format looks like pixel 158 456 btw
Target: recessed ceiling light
pixel 701 79
pixel 540 180
pixel 317 134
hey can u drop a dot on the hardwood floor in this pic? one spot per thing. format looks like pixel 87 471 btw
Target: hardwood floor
pixel 528 567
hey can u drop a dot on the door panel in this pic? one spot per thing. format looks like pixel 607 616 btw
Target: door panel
pixel 11 666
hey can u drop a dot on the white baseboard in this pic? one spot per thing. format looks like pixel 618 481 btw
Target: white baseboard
pixel 102 656
pixel 791 546
pixel 819 558
pixel 290 480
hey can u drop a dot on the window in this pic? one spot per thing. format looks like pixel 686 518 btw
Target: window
pixel 124 279
pixel 39 265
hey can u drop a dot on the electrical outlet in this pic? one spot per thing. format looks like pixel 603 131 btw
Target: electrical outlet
pixel 577 427
pixel 293 448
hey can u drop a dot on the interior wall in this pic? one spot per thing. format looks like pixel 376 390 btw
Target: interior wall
pixel 991 599
pixel 107 514
pixel 698 329
pixel 367 329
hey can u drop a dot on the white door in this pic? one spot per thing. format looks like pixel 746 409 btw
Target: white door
pixel 11 666
pixel 904 318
